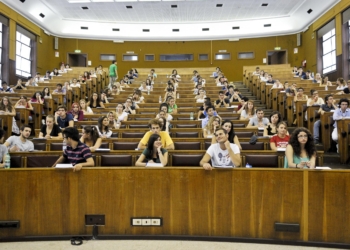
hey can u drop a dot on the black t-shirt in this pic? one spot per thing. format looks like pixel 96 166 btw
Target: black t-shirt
pixel 346 90
pixel 54 132
pixel 222 105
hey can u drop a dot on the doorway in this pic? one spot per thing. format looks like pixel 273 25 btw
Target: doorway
pixel 277 57
pixel 77 59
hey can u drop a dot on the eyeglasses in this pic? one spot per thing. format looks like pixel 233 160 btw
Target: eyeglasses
pixel 302 136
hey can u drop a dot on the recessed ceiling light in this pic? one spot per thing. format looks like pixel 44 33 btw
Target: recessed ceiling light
pixel 176 30
pixel 145 30
pixel 22 1
pixel 42 15
pixel 129 7
pixel 267 25
pixel 264 4
pixel 84 28
pixel 309 11
pixel 219 5
pixel 115 29
pixel 235 28
pixel 205 29
pixel 173 6
pixel 85 8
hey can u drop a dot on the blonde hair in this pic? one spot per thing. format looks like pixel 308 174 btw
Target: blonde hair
pixel 209 126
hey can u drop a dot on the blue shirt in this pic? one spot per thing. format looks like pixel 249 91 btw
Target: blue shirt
pixel 77 155
pixel 62 123
pixel 338 115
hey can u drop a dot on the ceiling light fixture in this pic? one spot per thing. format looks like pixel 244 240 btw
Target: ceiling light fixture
pixel 42 15
pixel 219 5
pixel 174 6
pixel 267 25
pixel 309 11
pixel 176 30
pixel 114 29
pixel 205 29
pixel 264 4
pixel 235 28
pixel 129 7
pixel 145 30
pixel 84 28
pixel 85 8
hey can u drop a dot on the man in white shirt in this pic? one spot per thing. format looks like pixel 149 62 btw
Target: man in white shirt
pixel 314 99
pixel 343 112
pixel 223 153
pixel 21 142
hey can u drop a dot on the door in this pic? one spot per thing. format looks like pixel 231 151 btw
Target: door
pixel 277 57
pixel 77 59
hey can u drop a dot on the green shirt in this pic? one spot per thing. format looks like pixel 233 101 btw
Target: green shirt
pixel 112 70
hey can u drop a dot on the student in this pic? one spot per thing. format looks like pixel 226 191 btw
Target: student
pixel 85 108
pixel 63 119
pixel 5 88
pixel 301 151
pixel 77 114
pixel 103 127
pixel 95 101
pixel 232 137
pixel 281 139
pixel 223 153
pixel 76 153
pixel 258 121
pixel 213 124
pixel 50 130
pixel 20 143
pixel 271 128
pixel 91 138
pixel 3 149
pixel 153 153
pixel 6 108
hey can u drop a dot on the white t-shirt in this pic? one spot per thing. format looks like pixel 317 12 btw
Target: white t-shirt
pixel 221 157
pixel 23 146
pixel 122 116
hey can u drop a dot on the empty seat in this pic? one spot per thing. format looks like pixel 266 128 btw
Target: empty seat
pixel 39 161
pixel 104 145
pixel 16 161
pixel 40 146
pixel 257 146
pixel 186 125
pixel 187 145
pixel 186 135
pixel 138 125
pixel 133 134
pixel 125 145
pixel 207 144
pixel 114 135
pixel 56 146
pixel 241 134
pixel 239 125
pixel 116 160
pixel 186 160
pixel 262 161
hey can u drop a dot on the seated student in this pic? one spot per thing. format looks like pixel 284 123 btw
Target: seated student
pixel 59 89
pixel 144 87
pixel 327 107
pixel 300 96
pixel 209 112
pixel 152 73
pixel 223 153
pixel 154 126
pixel 301 73
pixel 345 90
pixel 112 122
pixel 78 115
pixel 318 79
pixel 308 75
pixel 281 139
pixel 164 124
pixel 201 97
pixel 197 88
pixel 121 115
pixel 50 130
pixel 129 108
pixel 248 111
pixel 301 150
pixel 201 111
pixel 20 143
pixel 95 101
pixel 91 138
pixel 292 90
pixel 314 99
pixel 6 108
pixel 341 113
pixel 37 98
pixel 76 153
pixel 340 84
pixel 216 72
pixel 258 121
pixel 3 149
pixel 85 108
pixel 20 84
pixel 54 72
pixel 172 107
pixel 277 85
pixel 164 107
pixel 270 80
pixel 295 70
pixel 222 101
pixel 256 72
pixel 75 83
pixel 5 88
pixel 232 137
pixel 236 96
pixel 46 93
pixel 104 97
pixel 271 128
pixel 213 124
pixel 63 119
pixel 137 96
pixel 23 103
pixel 103 127
pixel 153 153
pixel 242 105
pixel 31 82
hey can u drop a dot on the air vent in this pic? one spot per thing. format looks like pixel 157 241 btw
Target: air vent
pixel 84 28
pixel 267 25
pixel 205 29
pixel 176 30
pixel 235 28
pixel 174 6
pixel 85 8
pixel 309 11
pixel 219 5
pixel 145 30
pixel 115 29
pixel 264 4
pixel 129 7
pixel 42 15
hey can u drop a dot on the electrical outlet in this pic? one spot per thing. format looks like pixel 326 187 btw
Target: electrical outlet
pixel 145 222
pixel 156 221
pixel 136 222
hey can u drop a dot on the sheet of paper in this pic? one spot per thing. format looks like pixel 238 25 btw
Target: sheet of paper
pixel 64 166
pixel 281 149
pixel 103 149
pixel 222 166
pixel 158 165
pixel 322 167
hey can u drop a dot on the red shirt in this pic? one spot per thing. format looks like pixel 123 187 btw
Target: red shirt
pixel 280 142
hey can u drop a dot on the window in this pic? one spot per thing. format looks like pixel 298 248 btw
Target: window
pixel 23 55
pixel 222 56
pixel 329 54
pixel 245 55
pixel 149 57
pixel 130 57
pixel 107 57
pixel 203 57
pixel 175 57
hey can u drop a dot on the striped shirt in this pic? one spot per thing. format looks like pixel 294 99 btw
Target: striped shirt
pixel 77 155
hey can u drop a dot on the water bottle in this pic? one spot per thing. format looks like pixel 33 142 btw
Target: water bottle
pixel 64 146
pixel 326 87
pixel 178 95
pixel 147 91
pixel 7 160
pixel 191 116
pixel 160 99
pixel 248 165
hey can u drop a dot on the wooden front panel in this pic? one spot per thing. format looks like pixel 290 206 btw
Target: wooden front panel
pixel 237 203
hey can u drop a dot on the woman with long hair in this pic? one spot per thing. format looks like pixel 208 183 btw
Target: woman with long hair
pixel 50 130
pixel 248 111
pixel 325 82
pixel 301 150
pixel 274 119
pixel 164 107
pixel 154 153
pixel 137 96
pixel 112 122
pixel 85 108
pixel 340 84
pixel 46 93
pixel 78 115
pixel 172 107
pixel 6 108
pixel 102 127
pixel 281 138
pixel 95 101
pixel 37 98
pixel 91 138
pixel 232 137
pixel 212 125
pixel 121 115
pixel 164 124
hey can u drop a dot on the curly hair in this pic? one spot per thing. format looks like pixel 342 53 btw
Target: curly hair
pixel 309 146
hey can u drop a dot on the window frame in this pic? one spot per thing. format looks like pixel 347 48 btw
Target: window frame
pixel 130 60
pixel 145 56
pixel 222 53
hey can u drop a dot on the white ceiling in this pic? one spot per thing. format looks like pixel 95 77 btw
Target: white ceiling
pixel 64 19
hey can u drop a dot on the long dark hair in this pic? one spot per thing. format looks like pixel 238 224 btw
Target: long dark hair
pixel 150 143
pixel 43 93
pixel 93 133
pixel 98 100
pixel 163 128
pixel 309 146
pixel 9 104
pixel 100 124
pixel 279 116
pixel 231 134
